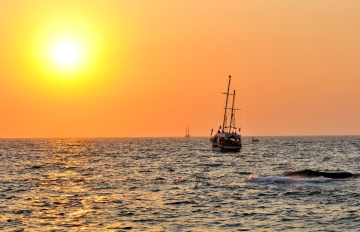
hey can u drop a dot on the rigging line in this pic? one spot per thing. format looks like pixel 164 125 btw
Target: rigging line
pixel 238 116
pixel 217 113
pixel 226 103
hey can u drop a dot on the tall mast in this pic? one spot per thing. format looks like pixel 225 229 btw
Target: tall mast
pixel 232 112
pixel 227 96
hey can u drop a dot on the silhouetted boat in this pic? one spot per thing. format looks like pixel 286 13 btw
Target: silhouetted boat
pixel 226 139
pixel 187 135
pixel 253 140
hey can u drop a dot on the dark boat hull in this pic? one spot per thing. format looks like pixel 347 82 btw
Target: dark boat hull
pixel 225 148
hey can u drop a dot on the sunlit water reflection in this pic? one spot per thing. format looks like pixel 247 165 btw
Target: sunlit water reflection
pixel 177 184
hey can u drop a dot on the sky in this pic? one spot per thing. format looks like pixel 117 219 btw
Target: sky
pixel 151 68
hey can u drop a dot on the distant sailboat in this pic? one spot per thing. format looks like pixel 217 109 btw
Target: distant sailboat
pixel 226 139
pixel 187 135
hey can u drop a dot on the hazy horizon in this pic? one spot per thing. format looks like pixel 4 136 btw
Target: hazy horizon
pixel 124 137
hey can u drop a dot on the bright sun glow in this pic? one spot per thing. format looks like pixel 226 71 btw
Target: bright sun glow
pixel 66 54
pixel 67 51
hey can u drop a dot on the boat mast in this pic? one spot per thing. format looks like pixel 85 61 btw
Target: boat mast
pixel 227 96
pixel 232 112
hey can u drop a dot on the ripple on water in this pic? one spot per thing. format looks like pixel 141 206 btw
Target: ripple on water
pixel 176 184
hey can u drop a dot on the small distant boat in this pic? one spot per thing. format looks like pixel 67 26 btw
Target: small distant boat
pixel 187 135
pixel 227 140
pixel 254 140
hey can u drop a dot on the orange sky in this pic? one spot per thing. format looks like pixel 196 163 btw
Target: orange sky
pixel 151 68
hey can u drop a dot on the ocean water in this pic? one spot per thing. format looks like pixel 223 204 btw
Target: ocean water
pixel 178 184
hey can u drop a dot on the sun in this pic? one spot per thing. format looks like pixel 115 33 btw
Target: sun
pixel 67 51
pixel 66 54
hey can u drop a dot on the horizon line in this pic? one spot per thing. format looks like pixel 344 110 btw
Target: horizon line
pixel 201 136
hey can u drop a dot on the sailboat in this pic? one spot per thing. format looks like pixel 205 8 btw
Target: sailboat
pixel 187 135
pixel 227 140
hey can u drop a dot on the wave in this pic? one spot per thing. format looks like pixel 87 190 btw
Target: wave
pixel 278 179
pixel 316 173
pixel 304 176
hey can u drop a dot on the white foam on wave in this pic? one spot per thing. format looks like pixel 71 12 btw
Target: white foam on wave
pixel 277 179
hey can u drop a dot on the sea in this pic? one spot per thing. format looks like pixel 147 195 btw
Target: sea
pixel 178 184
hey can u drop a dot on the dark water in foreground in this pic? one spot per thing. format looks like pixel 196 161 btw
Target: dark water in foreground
pixel 177 184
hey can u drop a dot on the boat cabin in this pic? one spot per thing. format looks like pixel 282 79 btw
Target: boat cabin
pixel 228 138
